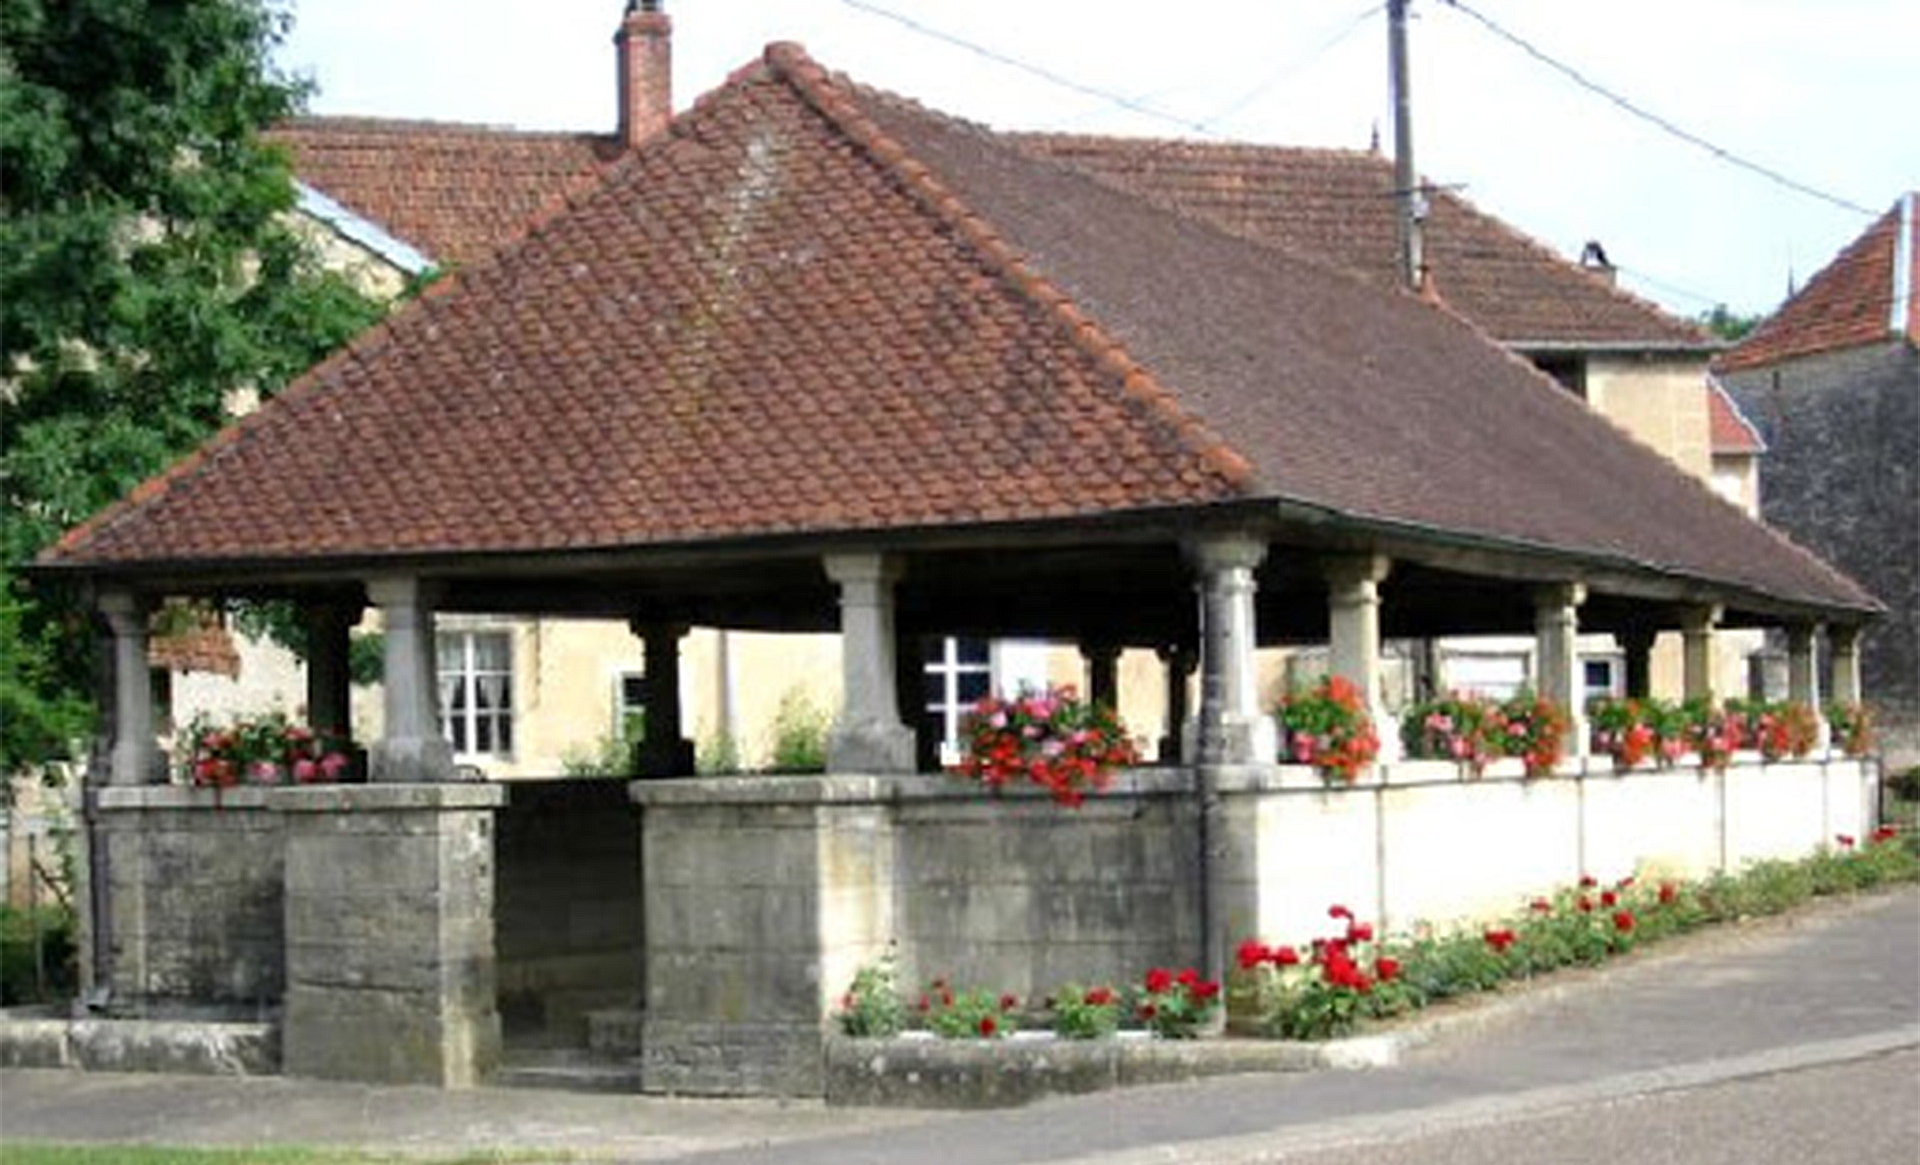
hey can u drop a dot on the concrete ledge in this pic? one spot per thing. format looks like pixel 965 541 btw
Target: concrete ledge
pixel 125 797
pixel 933 1073
pixel 864 789
pixel 378 798
pixel 131 1045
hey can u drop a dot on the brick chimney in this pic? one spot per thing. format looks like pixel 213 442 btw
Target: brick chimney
pixel 644 51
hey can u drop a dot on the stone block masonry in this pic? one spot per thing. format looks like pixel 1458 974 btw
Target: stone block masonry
pixel 390 957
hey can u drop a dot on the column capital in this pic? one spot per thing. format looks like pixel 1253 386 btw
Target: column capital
pixel 1845 636
pixel 1700 620
pixel 402 590
pixel 871 568
pixel 126 612
pixel 1214 553
pixel 661 629
pixel 1549 596
pixel 1356 575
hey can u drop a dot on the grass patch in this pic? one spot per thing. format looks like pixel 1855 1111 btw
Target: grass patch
pixel 49 1153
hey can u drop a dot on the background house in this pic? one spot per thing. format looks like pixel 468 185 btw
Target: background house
pixel 1832 383
pixel 396 196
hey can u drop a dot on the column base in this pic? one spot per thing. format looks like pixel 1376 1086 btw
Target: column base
pixel 411 762
pixel 1235 742
pixel 871 748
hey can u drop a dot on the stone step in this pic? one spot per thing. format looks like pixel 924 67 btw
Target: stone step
pixel 570 1070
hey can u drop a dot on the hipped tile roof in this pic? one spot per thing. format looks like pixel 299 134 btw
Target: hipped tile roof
pixel 1861 297
pixel 1339 205
pixel 456 192
pixel 812 307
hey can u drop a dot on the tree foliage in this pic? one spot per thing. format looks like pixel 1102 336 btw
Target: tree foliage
pixel 1727 324
pixel 148 272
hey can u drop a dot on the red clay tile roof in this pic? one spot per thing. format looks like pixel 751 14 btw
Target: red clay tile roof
pixel 204 646
pixel 1859 298
pixel 456 192
pixel 816 308
pixel 1338 204
pixel 1729 430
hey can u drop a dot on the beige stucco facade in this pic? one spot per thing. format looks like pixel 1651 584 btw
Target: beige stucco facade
pixel 1660 400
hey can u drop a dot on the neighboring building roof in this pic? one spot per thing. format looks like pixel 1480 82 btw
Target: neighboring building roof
pixel 204 647
pixel 815 308
pixel 1865 296
pixel 1339 205
pixel 1730 432
pixel 455 192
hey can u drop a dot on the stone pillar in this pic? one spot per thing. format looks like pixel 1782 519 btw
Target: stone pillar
pixel 1803 677
pixel 1232 729
pixel 134 759
pixel 1180 661
pixel 1697 629
pixel 663 751
pixel 1353 637
pixel 412 750
pixel 1843 643
pixel 869 737
pixel 1103 673
pixel 329 675
pixel 1556 628
pixel 390 957
pixel 1638 646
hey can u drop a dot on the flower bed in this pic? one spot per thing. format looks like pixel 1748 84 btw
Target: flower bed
pixel 264 750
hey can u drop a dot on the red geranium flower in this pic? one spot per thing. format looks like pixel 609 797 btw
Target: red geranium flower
pixel 1609 898
pixel 988 1026
pixel 1100 996
pixel 1587 882
pixel 1360 932
pixel 1668 892
pixel 1386 969
pixel 1008 1002
pixel 1159 980
pixel 1845 840
pixel 1623 921
pixel 1252 953
pixel 1286 957
pixel 1585 904
pixel 1339 912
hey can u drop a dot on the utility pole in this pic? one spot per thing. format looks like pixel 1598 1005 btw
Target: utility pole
pixel 1410 205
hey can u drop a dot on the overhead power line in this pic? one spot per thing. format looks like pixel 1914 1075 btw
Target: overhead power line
pixel 1654 119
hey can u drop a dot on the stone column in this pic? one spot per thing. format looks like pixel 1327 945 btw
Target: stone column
pixel 1843 643
pixel 1697 629
pixel 1233 729
pixel 869 737
pixel 1803 677
pixel 1556 629
pixel 1103 673
pixel 134 759
pixel 390 961
pixel 1638 646
pixel 663 751
pixel 1353 637
pixel 329 676
pixel 411 750
pixel 1180 661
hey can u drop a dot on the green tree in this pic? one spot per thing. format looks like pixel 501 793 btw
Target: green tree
pixel 1727 324
pixel 148 272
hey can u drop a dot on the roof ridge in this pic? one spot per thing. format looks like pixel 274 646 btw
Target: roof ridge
pixel 1612 289
pixel 375 123
pixel 1755 348
pixel 827 94
pixel 1173 144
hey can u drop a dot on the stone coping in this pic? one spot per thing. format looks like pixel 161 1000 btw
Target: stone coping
pixel 129 797
pixel 139 1045
pixel 394 798
pixel 878 789
pixel 931 1073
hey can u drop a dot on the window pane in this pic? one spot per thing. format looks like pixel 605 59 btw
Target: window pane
pixel 972 650
pixel 504 734
pixel 493 652
pixel 973 685
pixel 934 686
pixel 483 734
pixel 457 734
pixel 452 652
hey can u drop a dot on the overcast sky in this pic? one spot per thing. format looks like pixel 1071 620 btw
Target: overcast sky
pixel 1822 91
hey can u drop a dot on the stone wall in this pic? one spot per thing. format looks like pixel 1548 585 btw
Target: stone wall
pixel 763 897
pixel 568 913
pixel 1841 476
pixel 196 886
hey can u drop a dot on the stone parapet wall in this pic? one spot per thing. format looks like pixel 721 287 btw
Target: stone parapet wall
pixel 390 933
pixel 195 881
pixel 764 897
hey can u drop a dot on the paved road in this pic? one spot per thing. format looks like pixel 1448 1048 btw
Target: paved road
pixel 1792 1004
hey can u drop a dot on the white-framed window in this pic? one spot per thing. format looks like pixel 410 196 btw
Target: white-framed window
pixel 1493 674
pixel 629 702
pixel 476 692
pixel 958 673
pixel 1601 675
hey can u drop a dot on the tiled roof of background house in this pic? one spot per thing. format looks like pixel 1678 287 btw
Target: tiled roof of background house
pixel 1338 204
pixel 816 308
pixel 457 192
pixel 200 644
pixel 1865 296
pixel 1729 431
